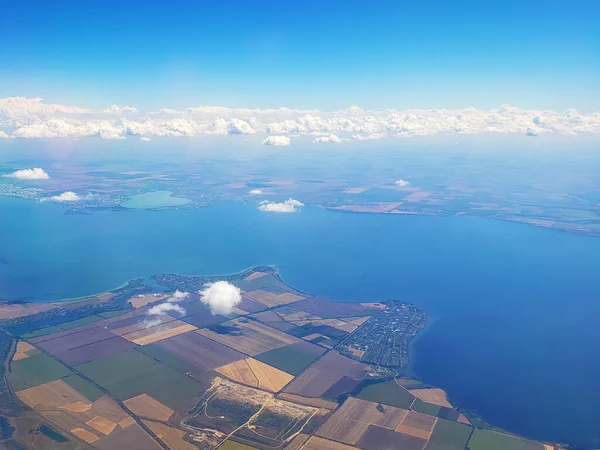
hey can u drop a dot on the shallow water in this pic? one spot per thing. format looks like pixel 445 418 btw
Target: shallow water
pixel 156 199
pixel 515 308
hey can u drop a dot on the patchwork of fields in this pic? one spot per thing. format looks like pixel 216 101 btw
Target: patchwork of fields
pixel 266 376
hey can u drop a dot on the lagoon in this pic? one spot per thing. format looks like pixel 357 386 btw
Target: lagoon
pixel 514 308
pixel 155 199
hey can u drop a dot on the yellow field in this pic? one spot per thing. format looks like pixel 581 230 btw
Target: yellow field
pixel 146 406
pixel 317 443
pixel 250 337
pixel 52 394
pixel 160 332
pixel 22 347
pixel 269 377
pixel 127 422
pixel 257 374
pixel 102 425
pixel 170 436
pixel 417 425
pixel 85 435
pixel 270 299
pixel 374 305
pixel 434 395
pixel 307 401
pixel 142 300
pixel 335 323
pixel 77 407
pixel 357 320
pixel 310 337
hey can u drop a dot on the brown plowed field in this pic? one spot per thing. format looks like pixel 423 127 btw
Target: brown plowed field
pixel 353 418
pixel 417 424
pixel 434 395
pixel 145 406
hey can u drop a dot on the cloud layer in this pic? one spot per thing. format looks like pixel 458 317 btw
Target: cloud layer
pixel 32 118
pixel 29 174
pixel 289 206
pixel 221 297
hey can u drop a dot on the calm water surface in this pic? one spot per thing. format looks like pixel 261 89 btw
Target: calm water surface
pixel 515 308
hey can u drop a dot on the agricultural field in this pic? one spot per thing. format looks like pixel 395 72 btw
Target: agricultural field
pixel 493 440
pixel 322 375
pixel 269 375
pixel 388 393
pixel 247 336
pixel 131 373
pixel 292 358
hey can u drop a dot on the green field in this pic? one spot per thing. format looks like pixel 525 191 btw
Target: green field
pixel 388 393
pixel 41 332
pixel 291 358
pixel 171 360
pixel 230 445
pixel 88 390
pixel 131 373
pixel 491 440
pixel 425 408
pixel 118 312
pixel 448 435
pixel 36 370
pixel 258 283
pixel 80 322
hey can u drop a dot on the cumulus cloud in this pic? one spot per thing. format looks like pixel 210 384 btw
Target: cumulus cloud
pixel 68 196
pixel 402 183
pixel 221 297
pixel 256 192
pixel 289 206
pixel 115 109
pixel 163 308
pixel 31 118
pixel 278 141
pixel 29 174
pixel 171 305
pixel 3 135
pixel 330 139
pixel 145 139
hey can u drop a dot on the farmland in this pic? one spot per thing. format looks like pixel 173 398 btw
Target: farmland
pixel 284 370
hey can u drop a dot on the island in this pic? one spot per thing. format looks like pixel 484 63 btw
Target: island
pixel 283 369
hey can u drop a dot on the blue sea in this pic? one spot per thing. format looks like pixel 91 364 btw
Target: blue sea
pixel 515 309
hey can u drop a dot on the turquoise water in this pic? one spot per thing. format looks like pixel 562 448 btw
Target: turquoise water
pixel 156 199
pixel 515 308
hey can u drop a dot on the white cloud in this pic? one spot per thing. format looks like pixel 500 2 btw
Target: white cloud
pixel 330 139
pixel 68 196
pixel 178 296
pixel 145 139
pixel 221 297
pixel 163 308
pixel 29 174
pixel 279 141
pixel 33 119
pixel 531 132
pixel 289 206
pixel 402 183
pixel 256 192
pixel 115 109
pixel 3 135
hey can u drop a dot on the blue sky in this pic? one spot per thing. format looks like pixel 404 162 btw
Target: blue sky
pixel 303 54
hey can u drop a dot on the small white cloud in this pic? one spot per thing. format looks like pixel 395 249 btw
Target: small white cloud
pixel 330 139
pixel 68 196
pixel 402 183
pixel 256 192
pixel 178 296
pixel 163 308
pixel 29 174
pixel 3 135
pixel 221 297
pixel 289 206
pixel 145 139
pixel 115 109
pixel 278 141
